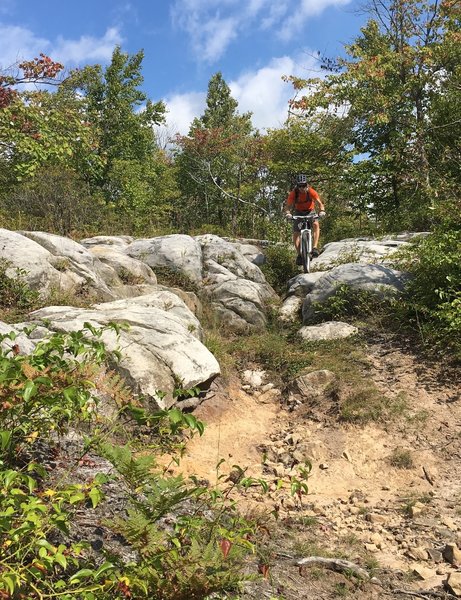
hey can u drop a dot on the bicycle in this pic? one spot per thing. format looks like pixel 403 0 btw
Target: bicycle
pixel 305 228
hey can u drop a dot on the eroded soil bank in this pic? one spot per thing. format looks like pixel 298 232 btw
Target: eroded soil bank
pixel 384 494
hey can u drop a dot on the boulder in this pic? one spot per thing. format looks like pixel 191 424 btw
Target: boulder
pixel 358 250
pixel 130 270
pixel 241 303
pixel 159 349
pixel 80 271
pixel 236 287
pixel 225 254
pixel 34 261
pixel 180 253
pixel 120 242
pixel 303 284
pixel 290 310
pixel 250 252
pixel 378 279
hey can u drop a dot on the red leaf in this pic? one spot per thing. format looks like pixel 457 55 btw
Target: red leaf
pixel 225 546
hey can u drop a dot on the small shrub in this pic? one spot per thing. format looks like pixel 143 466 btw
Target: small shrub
pixel 175 279
pixel 401 459
pixel 279 266
pixel 15 292
pixel 352 303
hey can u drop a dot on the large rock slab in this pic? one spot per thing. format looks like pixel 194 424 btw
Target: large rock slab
pixel 378 279
pixel 177 252
pixel 159 349
pixel 217 251
pixel 359 250
pixel 80 271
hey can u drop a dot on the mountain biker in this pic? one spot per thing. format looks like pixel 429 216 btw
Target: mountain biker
pixel 302 200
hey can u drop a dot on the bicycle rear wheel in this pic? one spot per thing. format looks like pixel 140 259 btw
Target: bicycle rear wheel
pixel 306 250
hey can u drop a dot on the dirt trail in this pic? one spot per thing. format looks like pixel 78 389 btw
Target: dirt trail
pixel 400 517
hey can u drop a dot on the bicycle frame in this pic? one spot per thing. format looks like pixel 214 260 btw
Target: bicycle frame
pixel 305 231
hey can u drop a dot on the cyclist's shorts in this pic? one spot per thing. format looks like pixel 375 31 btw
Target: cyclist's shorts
pixel 299 213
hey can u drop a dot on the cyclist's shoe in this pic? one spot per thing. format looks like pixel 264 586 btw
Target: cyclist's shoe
pixel 299 260
pixel 315 253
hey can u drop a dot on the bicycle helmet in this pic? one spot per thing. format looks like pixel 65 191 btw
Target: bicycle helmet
pixel 301 179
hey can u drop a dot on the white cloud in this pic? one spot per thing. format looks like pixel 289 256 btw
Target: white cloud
pixel 265 94
pixel 213 25
pixel 300 14
pixel 182 109
pixel 18 43
pixel 262 92
pixel 87 48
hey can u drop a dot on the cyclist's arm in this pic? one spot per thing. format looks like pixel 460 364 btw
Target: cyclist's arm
pixel 289 203
pixel 318 202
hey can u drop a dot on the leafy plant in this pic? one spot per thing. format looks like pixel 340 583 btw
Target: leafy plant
pixel 42 393
pixel 15 291
pixel 279 266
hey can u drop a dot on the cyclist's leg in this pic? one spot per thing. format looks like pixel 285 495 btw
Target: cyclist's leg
pixel 296 241
pixel 316 232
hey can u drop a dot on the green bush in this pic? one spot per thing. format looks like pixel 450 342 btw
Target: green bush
pixel 188 539
pixel 15 292
pixel 279 266
pixel 433 301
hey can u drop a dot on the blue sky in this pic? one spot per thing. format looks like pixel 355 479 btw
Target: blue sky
pixel 252 42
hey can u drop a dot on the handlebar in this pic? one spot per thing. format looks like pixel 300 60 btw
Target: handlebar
pixel 310 217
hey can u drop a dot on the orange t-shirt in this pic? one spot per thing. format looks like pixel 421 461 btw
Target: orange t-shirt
pixel 306 199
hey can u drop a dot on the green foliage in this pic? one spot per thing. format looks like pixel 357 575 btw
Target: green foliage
pixel 42 393
pixel 56 199
pixel 33 565
pixel 189 540
pixel 349 303
pixel 15 292
pixel 221 167
pixel 401 87
pixel 433 302
pixel 279 266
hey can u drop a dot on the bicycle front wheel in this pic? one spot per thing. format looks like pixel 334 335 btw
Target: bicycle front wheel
pixel 306 250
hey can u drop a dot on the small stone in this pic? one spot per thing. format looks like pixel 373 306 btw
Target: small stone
pixel 435 555
pixel 371 547
pixel 453 583
pixel 418 553
pixel 346 455
pixel 375 518
pixel 324 466
pixel 448 522
pixel 416 510
pixel 267 387
pixel 452 554
pixel 423 572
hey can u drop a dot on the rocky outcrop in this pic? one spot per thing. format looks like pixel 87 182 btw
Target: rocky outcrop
pixel 377 279
pixel 160 348
pixel 114 277
pixel 180 253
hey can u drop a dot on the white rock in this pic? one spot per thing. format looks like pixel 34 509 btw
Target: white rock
pixel 331 330
pixel 176 252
